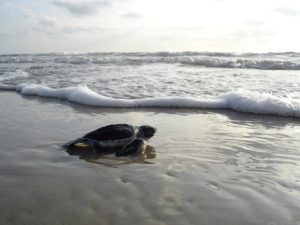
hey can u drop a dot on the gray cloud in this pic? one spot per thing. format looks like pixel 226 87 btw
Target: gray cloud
pixel 80 29
pixel 132 16
pixel 81 8
pixel 46 22
pixel 45 25
pixel 288 11
pixel 51 26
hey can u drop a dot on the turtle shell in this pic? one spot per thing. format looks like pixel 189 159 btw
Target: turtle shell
pixel 113 136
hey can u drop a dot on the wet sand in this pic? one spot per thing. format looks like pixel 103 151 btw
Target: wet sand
pixel 210 167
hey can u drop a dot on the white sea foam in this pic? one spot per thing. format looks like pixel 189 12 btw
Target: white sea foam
pixel 241 100
pixel 262 103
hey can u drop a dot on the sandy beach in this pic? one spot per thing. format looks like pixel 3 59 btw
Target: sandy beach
pixel 209 167
pixel 218 82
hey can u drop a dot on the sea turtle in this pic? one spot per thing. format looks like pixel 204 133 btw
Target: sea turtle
pixel 123 139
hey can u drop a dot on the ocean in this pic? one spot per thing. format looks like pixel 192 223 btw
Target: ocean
pixel 257 83
pixel 226 149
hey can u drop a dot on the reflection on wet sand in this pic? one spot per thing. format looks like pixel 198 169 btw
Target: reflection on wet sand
pixel 109 159
pixel 214 167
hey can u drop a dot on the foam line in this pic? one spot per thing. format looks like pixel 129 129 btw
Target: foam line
pixel 241 100
pixel 84 95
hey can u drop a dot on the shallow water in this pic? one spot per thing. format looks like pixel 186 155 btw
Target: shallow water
pixel 211 167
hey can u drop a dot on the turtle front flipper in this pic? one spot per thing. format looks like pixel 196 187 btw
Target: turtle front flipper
pixel 98 148
pixel 136 146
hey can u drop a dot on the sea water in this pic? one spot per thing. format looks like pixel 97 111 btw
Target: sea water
pixel 257 83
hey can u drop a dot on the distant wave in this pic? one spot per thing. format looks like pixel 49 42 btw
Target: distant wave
pixel 159 54
pixel 266 61
pixel 241 100
pixel 243 64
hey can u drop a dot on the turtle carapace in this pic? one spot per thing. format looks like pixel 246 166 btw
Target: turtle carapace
pixel 123 139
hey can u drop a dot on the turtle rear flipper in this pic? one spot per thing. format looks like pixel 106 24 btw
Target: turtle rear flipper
pixel 136 146
pixel 79 142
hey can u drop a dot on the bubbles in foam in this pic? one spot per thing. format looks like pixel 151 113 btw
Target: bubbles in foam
pixel 262 103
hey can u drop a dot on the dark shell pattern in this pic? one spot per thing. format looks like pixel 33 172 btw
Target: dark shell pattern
pixel 114 136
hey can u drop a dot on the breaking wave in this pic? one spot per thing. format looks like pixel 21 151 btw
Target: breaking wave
pixel 241 100
pixel 266 61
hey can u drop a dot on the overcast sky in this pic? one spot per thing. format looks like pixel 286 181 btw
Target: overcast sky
pixel 33 26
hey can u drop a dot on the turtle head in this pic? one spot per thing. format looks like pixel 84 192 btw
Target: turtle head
pixel 147 131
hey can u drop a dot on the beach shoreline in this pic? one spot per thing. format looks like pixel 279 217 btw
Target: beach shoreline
pixel 210 167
